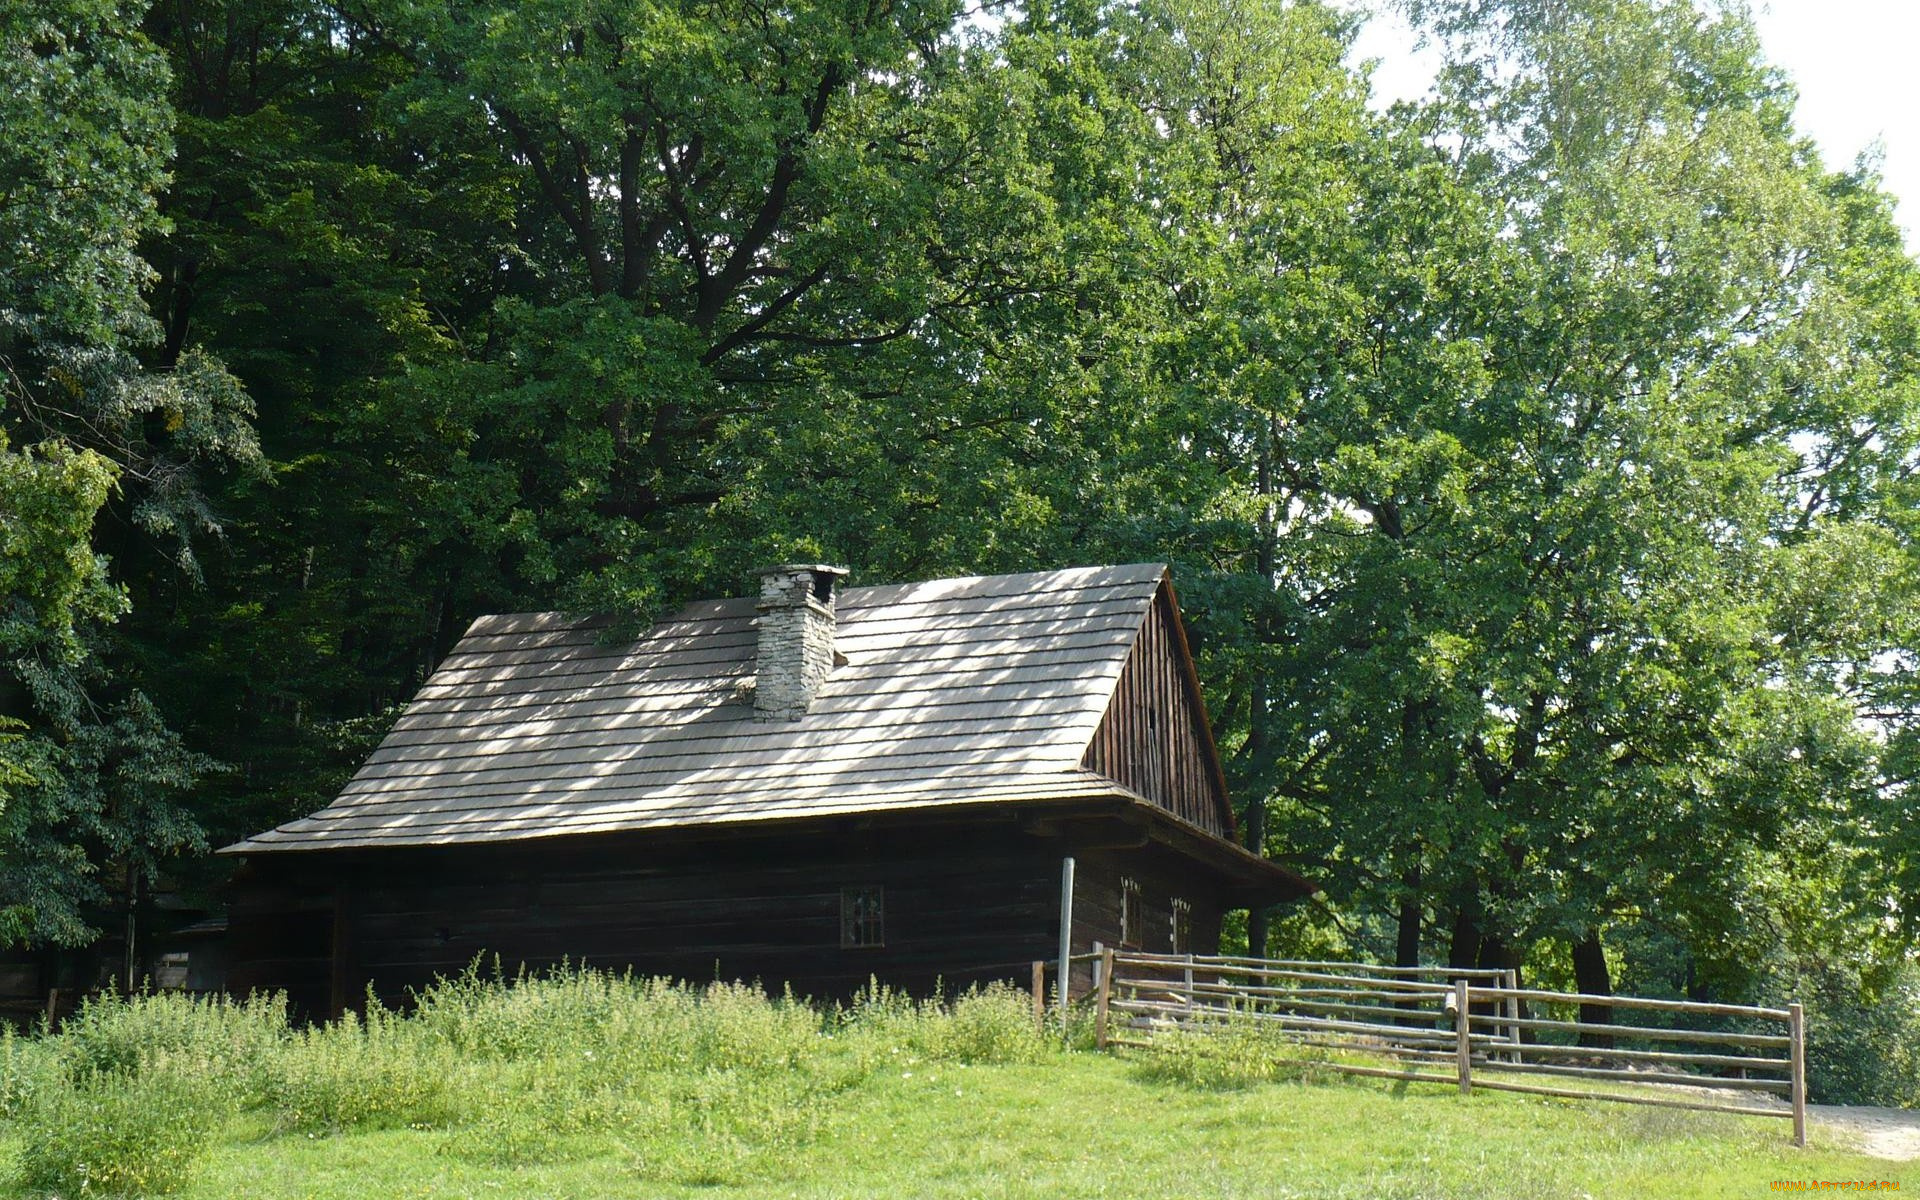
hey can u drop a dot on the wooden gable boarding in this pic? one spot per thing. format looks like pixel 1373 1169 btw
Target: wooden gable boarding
pixel 1154 737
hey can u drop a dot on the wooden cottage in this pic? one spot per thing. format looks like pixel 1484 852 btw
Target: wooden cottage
pixel 813 787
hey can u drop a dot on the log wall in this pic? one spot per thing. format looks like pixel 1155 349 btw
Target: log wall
pixel 961 906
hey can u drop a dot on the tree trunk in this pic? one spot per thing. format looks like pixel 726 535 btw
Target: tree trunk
pixel 1266 532
pixel 1256 835
pixel 1406 948
pixel 1463 950
pixel 130 961
pixel 1590 976
pixel 1494 952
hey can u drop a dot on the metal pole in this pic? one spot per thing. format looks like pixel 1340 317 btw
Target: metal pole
pixel 1066 935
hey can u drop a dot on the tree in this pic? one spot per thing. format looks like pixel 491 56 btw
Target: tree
pixel 93 774
pixel 611 302
pixel 1551 674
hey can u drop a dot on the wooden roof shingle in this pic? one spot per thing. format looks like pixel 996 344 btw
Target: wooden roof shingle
pixel 984 690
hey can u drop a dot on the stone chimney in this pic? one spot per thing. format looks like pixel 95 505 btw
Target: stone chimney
pixel 796 638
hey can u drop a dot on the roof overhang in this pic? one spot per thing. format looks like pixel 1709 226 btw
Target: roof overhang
pixel 1252 881
pixel 1249 880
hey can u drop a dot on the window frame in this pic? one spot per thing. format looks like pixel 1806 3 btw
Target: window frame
pixel 1180 925
pixel 1133 914
pixel 863 930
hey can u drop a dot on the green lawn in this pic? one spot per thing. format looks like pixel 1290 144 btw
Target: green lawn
pixel 1084 1125
pixel 585 1084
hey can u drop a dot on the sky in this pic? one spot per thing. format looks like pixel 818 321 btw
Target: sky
pixel 1849 59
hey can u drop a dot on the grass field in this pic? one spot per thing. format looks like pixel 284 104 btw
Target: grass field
pixel 1087 1127
pixel 620 1090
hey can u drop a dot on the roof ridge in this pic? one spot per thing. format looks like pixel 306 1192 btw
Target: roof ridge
pixel 574 620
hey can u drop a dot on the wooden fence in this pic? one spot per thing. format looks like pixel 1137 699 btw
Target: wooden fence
pixel 1468 1028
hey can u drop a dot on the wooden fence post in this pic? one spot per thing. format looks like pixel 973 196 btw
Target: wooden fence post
pixel 1040 995
pixel 1189 977
pixel 1105 966
pixel 1798 1022
pixel 1462 1046
pixel 1512 981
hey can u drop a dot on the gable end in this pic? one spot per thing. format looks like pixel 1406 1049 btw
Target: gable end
pixel 1154 736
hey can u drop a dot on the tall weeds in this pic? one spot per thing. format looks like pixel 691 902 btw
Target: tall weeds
pixel 693 1085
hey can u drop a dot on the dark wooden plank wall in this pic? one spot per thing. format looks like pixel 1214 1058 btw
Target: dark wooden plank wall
pixel 1162 877
pixel 280 939
pixel 1151 738
pixel 960 908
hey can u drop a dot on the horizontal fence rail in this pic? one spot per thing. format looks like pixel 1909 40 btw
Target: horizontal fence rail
pixel 1466 1027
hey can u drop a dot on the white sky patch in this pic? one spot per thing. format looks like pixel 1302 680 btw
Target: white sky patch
pixel 1852 60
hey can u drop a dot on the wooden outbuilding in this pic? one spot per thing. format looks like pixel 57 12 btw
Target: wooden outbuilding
pixel 817 786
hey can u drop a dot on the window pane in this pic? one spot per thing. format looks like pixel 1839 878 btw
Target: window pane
pixel 862 912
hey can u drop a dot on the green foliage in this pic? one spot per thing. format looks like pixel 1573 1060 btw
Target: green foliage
pixel 1502 622
pixel 118 1135
pixel 887 1095
pixel 627 1023
pixel 992 1025
pixel 1232 1054
pixel 1863 1033
pixel 30 1069
pixel 53 582
pixel 1536 463
pixel 94 774
pixel 88 142
pixel 700 1084
pixel 217 1039
pixel 367 1072
pixel 125 1098
pixel 52 586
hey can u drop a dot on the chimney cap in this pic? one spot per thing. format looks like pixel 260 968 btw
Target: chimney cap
pixel 796 568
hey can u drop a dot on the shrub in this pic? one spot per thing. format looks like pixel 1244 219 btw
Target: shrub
pixel 488 1016
pixel 543 1110
pixel 30 1068
pixel 118 1134
pixel 639 1023
pixel 223 1040
pixel 884 1015
pixel 1863 1041
pixel 741 1029
pixel 993 1024
pixel 1229 1055
pixel 520 1119
pixel 360 1073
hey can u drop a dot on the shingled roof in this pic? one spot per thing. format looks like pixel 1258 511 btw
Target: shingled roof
pixel 975 691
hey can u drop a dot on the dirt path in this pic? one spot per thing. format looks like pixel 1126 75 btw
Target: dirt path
pixel 1891 1133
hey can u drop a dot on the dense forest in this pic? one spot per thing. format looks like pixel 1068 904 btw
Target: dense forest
pixel 1539 464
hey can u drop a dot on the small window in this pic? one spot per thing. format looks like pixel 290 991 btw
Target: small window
pixel 1133 921
pixel 862 917
pixel 1182 926
pixel 170 972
